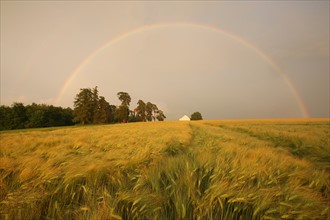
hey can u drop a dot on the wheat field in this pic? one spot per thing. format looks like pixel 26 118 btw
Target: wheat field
pixel 251 169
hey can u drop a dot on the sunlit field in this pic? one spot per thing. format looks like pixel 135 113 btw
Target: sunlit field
pixel 252 169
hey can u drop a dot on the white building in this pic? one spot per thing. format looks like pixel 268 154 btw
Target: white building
pixel 185 118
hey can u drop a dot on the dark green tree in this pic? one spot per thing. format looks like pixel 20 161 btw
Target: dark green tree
pixel 196 116
pixel 19 117
pixel 37 116
pixel 67 116
pixel 124 97
pixel 58 116
pixel 141 110
pixel 113 109
pixel 83 107
pixel 149 111
pixel 104 111
pixel 154 111
pixel 34 116
pixel 133 117
pixel 160 115
pixel 90 108
pixel 95 106
pixel 122 114
pixel 6 118
pixel 41 115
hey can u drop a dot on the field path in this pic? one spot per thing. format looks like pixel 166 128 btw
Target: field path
pixel 306 141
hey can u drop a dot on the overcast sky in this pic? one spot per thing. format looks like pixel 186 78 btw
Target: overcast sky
pixel 225 59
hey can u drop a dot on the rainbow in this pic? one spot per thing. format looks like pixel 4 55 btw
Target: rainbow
pixel 139 29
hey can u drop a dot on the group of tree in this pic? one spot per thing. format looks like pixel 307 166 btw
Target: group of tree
pixel 18 116
pixel 147 112
pixel 90 108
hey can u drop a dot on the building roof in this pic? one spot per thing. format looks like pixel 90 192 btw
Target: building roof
pixel 185 118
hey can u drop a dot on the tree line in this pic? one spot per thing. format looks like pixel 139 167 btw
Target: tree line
pixel 90 108
pixel 18 116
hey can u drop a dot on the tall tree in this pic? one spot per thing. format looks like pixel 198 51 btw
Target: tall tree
pixel 141 110
pixel 122 114
pixel 154 111
pixel 149 111
pixel 113 109
pixel 83 107
pixel 124 97
pixel 95 113
pixel 104 113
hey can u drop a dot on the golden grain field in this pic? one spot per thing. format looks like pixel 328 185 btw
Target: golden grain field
pixel 252 169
